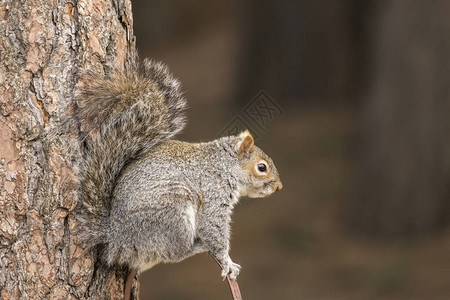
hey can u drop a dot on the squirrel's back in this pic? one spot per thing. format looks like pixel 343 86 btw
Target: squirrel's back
pixel 121 116
pixel 163 193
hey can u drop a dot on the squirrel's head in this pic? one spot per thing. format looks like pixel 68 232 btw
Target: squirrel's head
pixel 259 177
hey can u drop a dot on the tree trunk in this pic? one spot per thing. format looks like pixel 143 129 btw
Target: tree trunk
pixel 43 47
pixel 404 179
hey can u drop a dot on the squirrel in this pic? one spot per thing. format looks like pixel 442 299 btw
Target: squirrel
pixel 149 199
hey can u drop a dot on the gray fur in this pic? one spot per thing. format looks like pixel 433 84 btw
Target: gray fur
pixel 121 117
pixel 148 199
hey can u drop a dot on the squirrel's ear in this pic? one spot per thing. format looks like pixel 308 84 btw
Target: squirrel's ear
pixel 245 144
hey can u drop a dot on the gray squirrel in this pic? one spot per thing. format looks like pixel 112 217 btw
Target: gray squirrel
pixel 148 199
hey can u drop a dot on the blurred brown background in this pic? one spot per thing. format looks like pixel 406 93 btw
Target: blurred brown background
pixel 362 145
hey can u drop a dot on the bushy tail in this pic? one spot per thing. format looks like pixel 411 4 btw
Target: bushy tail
pixel 121 117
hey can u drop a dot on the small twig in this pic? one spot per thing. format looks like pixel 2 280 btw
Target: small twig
pixel 234 287
pixel 129 283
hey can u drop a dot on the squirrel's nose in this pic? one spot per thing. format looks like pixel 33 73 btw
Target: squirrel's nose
pixel 279 187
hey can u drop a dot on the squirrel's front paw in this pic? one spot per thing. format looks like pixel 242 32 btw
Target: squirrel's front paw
pixel 231 268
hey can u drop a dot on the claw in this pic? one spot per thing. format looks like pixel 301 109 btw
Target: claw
pixel 224 274
pixel 233 276
pixel 230 268
pixel 234 270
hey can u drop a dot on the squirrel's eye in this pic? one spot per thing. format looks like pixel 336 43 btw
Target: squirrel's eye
pixel 262 167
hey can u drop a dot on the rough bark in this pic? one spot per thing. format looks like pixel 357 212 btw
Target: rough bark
pixel 404 179
pixel 43 46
